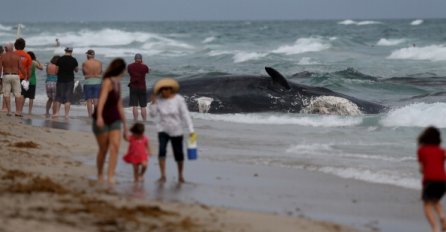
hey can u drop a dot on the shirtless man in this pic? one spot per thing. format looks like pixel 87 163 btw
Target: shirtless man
pixel 11 65
pixel 92 69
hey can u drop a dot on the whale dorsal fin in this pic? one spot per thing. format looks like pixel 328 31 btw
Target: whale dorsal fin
pixel 277 77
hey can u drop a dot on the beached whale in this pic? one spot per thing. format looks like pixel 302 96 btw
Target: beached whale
pixel 273 93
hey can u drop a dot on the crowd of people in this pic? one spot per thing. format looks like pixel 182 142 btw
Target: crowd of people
pixel 102 93
pixel 104 105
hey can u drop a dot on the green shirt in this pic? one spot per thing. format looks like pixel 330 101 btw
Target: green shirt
pixel 33 79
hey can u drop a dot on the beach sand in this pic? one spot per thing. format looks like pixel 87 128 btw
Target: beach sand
pixel 46 186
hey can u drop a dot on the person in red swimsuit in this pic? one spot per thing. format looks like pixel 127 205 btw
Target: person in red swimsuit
pixel 431 158
pixel 138 151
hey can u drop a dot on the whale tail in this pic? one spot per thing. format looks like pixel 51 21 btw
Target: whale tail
pixel 277 77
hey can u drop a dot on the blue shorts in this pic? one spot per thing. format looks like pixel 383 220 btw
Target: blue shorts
pixel 92 91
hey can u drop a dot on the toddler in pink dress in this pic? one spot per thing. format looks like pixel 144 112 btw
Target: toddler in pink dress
pixel 138 151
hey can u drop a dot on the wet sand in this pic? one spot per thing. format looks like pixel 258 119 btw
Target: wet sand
pixel 46 186
pixel 255 188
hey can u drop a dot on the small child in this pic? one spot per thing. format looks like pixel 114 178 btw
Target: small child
pixel 138 151
pixel 431 158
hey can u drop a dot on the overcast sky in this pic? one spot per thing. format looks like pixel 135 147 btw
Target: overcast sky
pixel 161 10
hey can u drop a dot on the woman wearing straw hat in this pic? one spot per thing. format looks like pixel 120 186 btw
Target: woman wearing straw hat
pixel 171 109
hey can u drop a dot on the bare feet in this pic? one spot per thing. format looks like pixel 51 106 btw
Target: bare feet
pixel 101 179
pixel 111 180
pixel 181 180
pixel 162 180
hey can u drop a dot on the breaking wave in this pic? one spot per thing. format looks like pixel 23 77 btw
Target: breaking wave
pixel 416 115
pixel 390 42
pixel 432 53
pixel 358 23
pixel 303 45
pixel 289 119
pixel 417 22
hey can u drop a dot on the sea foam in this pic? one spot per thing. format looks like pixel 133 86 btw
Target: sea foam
pixel 5 28
pixel 416 115
pixel 307 61
pixel 381 176
pixel 390 42
pixel 105 37
pixel 303 45
pixel 209 39
pixel 358 23
pixel 417 22
pixel 288 119
pixel 242 56
pixel 432 53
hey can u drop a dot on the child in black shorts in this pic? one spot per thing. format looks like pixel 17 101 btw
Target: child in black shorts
pixel 431 158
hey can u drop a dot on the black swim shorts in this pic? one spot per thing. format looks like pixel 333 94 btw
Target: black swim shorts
pixel 138 97
pixel 433 190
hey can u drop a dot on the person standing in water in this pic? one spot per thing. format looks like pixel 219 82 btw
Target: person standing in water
pixel 66 66
pixel 431 157
pixel 172 113
pixel 27 62
pixel 138 89
pixel 108 117
pixel 92 70
pixel 11 66
pixel 50 83
pixel 31 92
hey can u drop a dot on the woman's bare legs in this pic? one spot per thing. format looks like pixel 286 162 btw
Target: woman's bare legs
pixel 103 143
pixel 114 139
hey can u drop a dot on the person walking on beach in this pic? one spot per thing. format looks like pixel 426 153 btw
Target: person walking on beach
pixel 31 92
pixel 108 117
pixel 138 151
pixel 172 113
pixel 92 70
pixel 138 89
pixel 66 66
pixel 431 157
pixel 50 83
pixel 27 62
pixel 11 66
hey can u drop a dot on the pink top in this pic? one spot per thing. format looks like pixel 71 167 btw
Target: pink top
pixel 137 151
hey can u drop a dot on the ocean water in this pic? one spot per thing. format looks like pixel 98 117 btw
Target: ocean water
pixel 397 63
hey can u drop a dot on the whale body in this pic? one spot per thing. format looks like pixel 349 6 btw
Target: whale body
pixel 273 93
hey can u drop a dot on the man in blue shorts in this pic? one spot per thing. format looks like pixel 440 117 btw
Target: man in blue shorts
pixel 67 65
pixel 92 69
pixel 138 89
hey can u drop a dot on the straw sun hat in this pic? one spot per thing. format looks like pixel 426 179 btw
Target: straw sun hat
pixel 166 82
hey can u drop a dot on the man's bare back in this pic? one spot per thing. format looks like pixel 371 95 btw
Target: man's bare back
pixel 92 68
pixel 11 63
